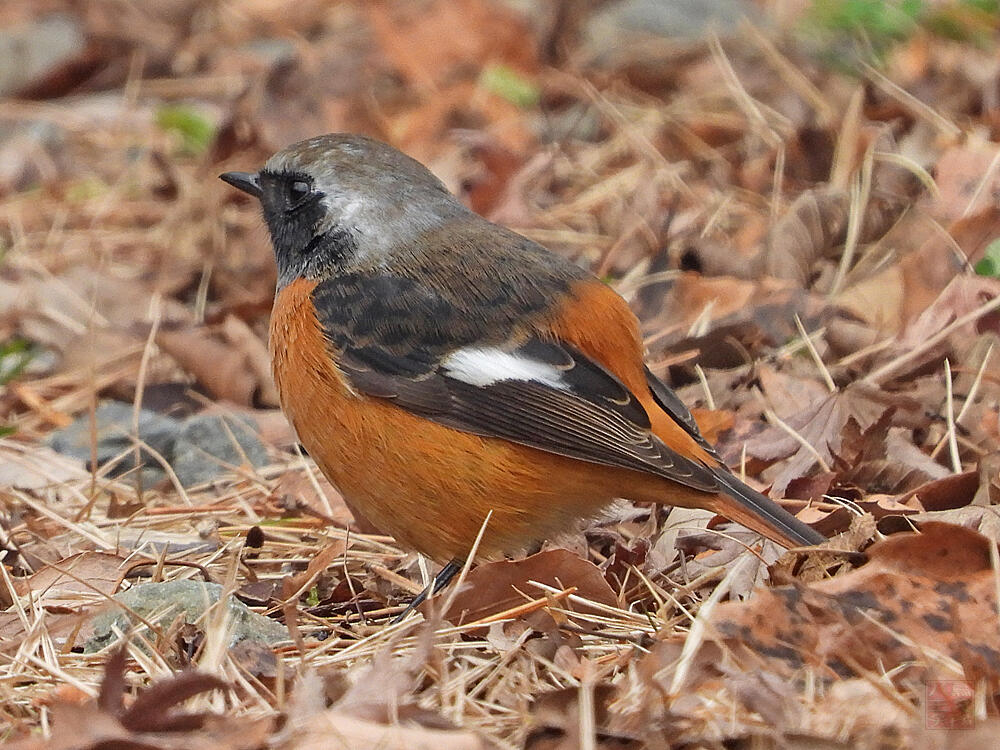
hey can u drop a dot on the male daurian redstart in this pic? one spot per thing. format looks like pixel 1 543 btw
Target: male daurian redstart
pixel 438 366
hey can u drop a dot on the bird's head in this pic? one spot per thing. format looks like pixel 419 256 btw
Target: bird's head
pixel 341 202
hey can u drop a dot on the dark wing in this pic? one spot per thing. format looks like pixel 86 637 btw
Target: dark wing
pixel 397 340
pixel 667 400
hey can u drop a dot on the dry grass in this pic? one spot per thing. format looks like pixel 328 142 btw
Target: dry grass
pixel 136 236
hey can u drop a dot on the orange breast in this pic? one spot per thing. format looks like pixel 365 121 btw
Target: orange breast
pixel 432 487
pixel 429 486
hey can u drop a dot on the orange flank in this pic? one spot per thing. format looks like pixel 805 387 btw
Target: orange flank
pixel 618 348
pixel 432 486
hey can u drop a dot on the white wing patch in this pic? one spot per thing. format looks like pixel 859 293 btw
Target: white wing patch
pixel 488 365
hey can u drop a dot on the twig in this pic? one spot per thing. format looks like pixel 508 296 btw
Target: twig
pixel 912 103
pixel 929 343
pixel 861 188
pixel 956 461
pixel 827 378
pixel 709 399
pixel 772 417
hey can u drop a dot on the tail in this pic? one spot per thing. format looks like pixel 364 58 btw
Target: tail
pixel 674 425
pixel 750 508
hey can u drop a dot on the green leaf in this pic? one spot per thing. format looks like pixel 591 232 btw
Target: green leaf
pixel 989 264
pixel 312 598
pixel 511 85
pixel 195 130
pixel 14 357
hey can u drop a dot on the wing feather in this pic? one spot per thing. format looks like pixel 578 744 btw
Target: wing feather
pixel 572 406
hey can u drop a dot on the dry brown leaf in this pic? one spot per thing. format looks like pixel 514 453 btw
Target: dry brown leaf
pixel 90 572
pixel 953 491
pixel 878 300
pixel 693 295
pixel 962 295
pixel 429 42
pixel 221 368
pixel 69 592
pixel 151 721
pixel 557 722
pixel 240 335
pixel 788 394
pixel 868 711
pixel 296 489
pixel 964 180
pixel 61 626
pixel 815 224
pixel 36 467
pixel 882 460
pixel 498 586
pixel 822 427
pixel 375 707
pixel 919 597
pixel 336 730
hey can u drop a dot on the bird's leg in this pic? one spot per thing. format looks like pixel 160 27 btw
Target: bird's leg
pixel 442 579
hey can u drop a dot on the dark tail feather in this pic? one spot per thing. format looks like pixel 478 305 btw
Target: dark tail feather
pixel 755 511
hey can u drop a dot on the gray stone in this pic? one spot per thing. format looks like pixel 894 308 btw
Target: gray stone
pixel 209 444
pixel 30 151
pixel 32 50
pixel 198 449
pixel 114 437
pixel 608 32
pixel 162 603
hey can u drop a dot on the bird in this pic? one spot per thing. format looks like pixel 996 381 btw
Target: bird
pixel 443 370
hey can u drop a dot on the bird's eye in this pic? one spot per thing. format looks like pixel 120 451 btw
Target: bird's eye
pixel 298 191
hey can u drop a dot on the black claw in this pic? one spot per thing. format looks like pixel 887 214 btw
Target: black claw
pixel 441 580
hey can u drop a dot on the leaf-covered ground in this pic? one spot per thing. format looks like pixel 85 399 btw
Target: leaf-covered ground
pixel 801 202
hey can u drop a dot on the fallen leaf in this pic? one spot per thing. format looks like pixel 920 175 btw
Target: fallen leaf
pixel 430 41
pixel 814 224
pixel 220 367
pixel 299 488
pixel 36 467
pixel 497 586
pixel 90 573
pixel 964 179
pixel 151 721
pixel 821 426
pixel 953 491
pixel 919 596
pixel 243 338
pixel 336 730
pixel 557 723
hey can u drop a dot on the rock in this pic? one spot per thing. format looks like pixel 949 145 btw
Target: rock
pixel 114 437
pixel 209 444
pixel 31 152
pixel 607 32
pixel 198 449
pixel 33 50
pixel 163 602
